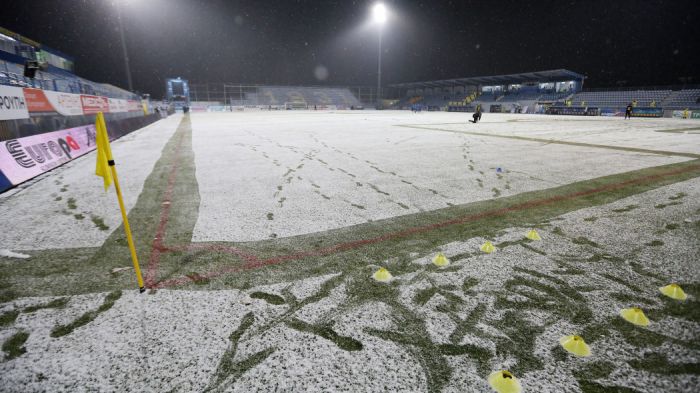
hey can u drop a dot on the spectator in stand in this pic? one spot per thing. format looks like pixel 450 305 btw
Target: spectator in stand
pixel 628 111
pixel 653 104
pixel 634 103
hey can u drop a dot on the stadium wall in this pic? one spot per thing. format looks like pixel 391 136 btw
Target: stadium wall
pixel 41 130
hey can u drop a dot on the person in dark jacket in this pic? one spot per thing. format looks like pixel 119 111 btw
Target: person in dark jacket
pixel 476 115
pixel 628 111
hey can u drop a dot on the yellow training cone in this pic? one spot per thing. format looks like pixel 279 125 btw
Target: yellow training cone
pixel 488 247
pixel 635 315
pixel 533 235
pixel 441 260
pixel 674 291
pixel 382 275
pixel 575 345
pixel 504 382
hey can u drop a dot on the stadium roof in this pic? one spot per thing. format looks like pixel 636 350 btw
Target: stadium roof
pixel 538 76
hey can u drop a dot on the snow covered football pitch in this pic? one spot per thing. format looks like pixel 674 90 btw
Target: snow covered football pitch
pixel 259 232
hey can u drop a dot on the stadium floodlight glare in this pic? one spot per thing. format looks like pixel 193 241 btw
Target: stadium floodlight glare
pixel 379 13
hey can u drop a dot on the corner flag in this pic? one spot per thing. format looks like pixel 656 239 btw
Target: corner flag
pixel 106 169
pixel 104 152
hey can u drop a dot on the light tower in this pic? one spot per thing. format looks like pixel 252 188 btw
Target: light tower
pixel 379 16
pixel 125 52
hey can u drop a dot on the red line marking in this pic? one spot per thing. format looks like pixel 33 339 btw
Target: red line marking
pixel 157 244
pixel 214 248
pixel 254 262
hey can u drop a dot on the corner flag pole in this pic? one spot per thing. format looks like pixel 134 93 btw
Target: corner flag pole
pixel 104 153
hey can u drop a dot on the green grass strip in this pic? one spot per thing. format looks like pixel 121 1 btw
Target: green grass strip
pixel 554 141
pixel 57 303
pixel 229 370
pixel 62 330
pixel 13 346
pixel 401 247
pixel 9 317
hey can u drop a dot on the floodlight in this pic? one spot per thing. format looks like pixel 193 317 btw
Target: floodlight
pixel 379 13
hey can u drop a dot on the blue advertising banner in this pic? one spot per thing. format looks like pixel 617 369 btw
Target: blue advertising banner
pixel 647 112
pixel 572 110
pixel 611 112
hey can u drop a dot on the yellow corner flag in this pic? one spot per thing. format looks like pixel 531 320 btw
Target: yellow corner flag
pixel 104 152
pixel 106 169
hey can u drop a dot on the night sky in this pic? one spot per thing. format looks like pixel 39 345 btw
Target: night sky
pixel 631 43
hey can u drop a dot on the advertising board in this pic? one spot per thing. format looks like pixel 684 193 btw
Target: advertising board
pixel 117 105
pixel 94 104
pixel 611 112
pixel 13 105
pixel 37 101
pixel 66 104
pixel 647 112
pixel 682 114
pixel 24 158
pixel 133 106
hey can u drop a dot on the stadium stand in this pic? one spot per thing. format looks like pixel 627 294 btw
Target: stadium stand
pixel 533 92
pixel 57 75
pixel 12 74
pixel 682 99
pixel 620 99
pixel 54 73
pixel 489 97
pixel 553 97
pixel 435 101
pixel 310 96
pixel 521 96
pixel 407 102
pixel 513 90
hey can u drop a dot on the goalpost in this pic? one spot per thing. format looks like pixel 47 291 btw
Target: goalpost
pixel 295 105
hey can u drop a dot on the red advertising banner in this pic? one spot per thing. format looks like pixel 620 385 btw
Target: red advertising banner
pixel 24 158
pixel 94 104
pixel 37 101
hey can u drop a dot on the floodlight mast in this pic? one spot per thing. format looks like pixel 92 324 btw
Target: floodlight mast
pixel 125 52
pixel 379 15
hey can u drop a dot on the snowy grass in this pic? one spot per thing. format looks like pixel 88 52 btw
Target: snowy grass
pixel 327 171
pixel 429 330
pixel 320 323
pixel 54 205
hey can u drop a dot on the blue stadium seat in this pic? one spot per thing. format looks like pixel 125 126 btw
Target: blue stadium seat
pixel 620 99
pixel 55 79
